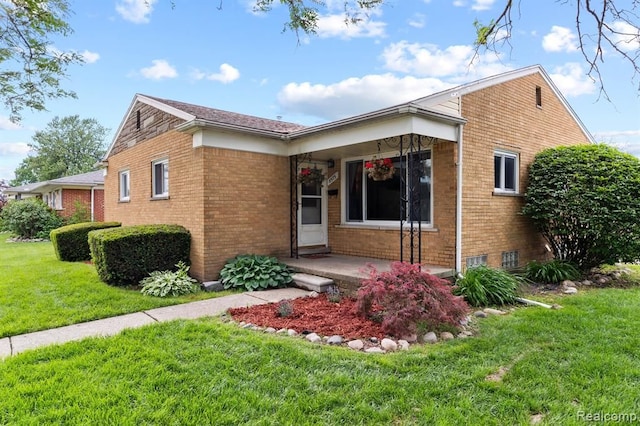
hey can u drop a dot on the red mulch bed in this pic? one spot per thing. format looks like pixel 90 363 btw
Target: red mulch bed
pixel 313 314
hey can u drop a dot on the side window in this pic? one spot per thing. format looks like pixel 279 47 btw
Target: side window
pixel 505 166
pixel 125 185
pixel 160 178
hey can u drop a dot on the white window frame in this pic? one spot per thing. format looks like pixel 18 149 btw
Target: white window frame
pixel 165 178
pixel 516 171
pixel 124 185
pixel 379 223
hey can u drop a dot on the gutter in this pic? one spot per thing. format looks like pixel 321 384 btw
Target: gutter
pixel 197 124
pixel 459 204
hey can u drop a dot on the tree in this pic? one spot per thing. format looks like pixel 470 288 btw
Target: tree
pixel 67 146
pixel 602 25
pixel 30 67
pixel 584 201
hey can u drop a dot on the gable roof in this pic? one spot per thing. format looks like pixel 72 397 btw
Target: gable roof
pixel 89 179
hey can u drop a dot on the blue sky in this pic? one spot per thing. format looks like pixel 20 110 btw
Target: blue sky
pixel 237 60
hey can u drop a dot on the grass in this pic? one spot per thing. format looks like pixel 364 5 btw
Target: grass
pixel 558 363
pixel 38 292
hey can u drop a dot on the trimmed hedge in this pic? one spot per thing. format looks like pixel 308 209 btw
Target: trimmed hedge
pixel 124 256
pixel 71 242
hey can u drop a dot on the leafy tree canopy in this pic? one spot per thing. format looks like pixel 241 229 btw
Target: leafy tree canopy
pixel 67 146
pixel 30 66
pixel 584 201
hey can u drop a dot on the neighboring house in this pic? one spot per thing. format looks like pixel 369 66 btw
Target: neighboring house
pixel 461 159
pixel 64 193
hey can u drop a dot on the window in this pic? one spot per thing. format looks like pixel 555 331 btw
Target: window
pixel 125 185
pixel 539 96
pixel 370 201
pixel 160 178
pixel 505 166
pixel 472 261
pixel 510 259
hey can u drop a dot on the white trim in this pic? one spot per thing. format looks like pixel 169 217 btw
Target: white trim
pixel 165 178
pixel 516 171
pixel 121 188
pixel 92 204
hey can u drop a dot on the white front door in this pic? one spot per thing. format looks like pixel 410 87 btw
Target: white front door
pixel 312 211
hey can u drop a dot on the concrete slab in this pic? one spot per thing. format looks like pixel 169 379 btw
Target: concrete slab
pixel 278 294
pixel 203 308
pixel 5 347
pixel 312 282
pixel 103 327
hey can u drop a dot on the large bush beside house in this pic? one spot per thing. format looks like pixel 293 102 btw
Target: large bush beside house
pixel 126 255
pixel 71 242
pixel 584 201
pixel 29 218
pixel 406 297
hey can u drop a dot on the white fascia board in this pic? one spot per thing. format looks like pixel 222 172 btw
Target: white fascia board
pixel 239 142
pixel 372 131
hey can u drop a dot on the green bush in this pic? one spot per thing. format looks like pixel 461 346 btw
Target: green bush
pixel 71 242
pixel 168 283
pixel 30 218
pixel 550 272
pixel 255 272
pixel 584 201
pixel 483 286
pixel 124 256
pixel 80 214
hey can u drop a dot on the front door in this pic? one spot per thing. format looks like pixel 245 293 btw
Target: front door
pixel 312 211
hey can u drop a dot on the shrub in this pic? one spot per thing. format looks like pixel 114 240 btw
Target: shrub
pixel 124 256
pixel 71 242
pixel 80 214
pixel 407 297
pixel 284 308
pixel 482 286
pixel 553 271
pixel 168 283
pixel 584 201
pixel 255 272
pixel 30 218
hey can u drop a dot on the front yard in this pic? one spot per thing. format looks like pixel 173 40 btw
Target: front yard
pixel 38 292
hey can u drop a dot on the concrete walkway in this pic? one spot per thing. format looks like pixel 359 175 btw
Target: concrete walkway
pixel 110 326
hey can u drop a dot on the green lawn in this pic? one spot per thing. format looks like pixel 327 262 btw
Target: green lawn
pixel 38 292
pixel 582 360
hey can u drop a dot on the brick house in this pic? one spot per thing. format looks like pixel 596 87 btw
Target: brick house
pixel 460 158
pixel 66 193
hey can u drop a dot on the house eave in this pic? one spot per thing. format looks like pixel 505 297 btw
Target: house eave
pixel 195 125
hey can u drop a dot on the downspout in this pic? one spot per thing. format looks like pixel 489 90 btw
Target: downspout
pixel 92 202
pixel 459 205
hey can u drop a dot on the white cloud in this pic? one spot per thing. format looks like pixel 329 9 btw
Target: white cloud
pixel 6 124
pixel 90 57
pixel 14 149
pixel 159 70
pixel 459 3
pixel 355 95
pixel 335 26
pixel 627 37
pixel 226 75
pixel 572 80
pixel 454 62
pixel 560 39
pixel 136 11
pixel 482 4
pixel 417 21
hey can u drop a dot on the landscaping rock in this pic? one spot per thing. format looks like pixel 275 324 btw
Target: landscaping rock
pixel 412 338
pixel 248 325
pixel 570 290
pixel 492 311
pixel 430 337
pixel 212 286
pixel 356 344
pixel 462 336
pixel 335 340
pixel 373 339
pixel 313 338
pixel 587 282
pixel 281 331
pixel 314 294
pixel 480 314
pixel 389 345
pixel 403 344
pixel 374 350
pixel 270 330
pixel 445 335
pixel 568 283
pixel 292 332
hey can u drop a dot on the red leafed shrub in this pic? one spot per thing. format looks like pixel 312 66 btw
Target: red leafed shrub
pixel 407 296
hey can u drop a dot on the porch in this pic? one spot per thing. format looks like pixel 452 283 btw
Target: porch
pixel 347 271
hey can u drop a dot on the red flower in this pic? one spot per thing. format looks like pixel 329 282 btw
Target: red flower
pixel 305 172
pixel 368 165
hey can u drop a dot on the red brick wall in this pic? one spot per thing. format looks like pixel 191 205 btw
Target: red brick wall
pixel 83 196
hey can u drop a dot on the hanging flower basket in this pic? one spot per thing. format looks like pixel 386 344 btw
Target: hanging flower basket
pixel 310 175
pixel 380 168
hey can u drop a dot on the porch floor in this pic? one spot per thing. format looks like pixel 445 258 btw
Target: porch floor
pixel 347 271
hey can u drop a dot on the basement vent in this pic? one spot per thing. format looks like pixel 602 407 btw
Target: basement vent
pixel 476 260
pixel 510 259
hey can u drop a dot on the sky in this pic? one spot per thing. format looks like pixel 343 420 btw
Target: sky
pixel 221 54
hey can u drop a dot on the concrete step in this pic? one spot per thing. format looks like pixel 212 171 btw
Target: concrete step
pixel 312 282
pixel 306 251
